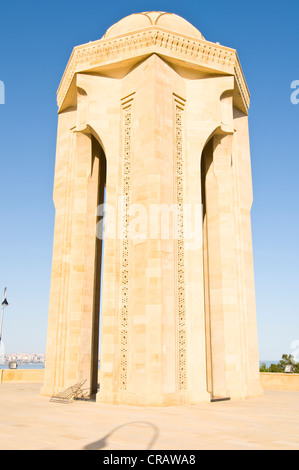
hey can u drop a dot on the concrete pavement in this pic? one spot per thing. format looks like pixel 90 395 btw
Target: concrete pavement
pixel 30 421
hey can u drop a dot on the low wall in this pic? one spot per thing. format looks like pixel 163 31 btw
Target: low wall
pixel 22 375
pixel 269 380
pixel 273 381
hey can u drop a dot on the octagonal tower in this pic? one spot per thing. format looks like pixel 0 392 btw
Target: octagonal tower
pixel 153 121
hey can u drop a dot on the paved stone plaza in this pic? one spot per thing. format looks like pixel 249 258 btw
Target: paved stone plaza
pixel 30 421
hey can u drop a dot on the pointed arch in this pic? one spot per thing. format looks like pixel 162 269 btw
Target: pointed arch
pixel 99 171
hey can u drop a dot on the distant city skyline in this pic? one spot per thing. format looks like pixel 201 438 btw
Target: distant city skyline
pixel 25 357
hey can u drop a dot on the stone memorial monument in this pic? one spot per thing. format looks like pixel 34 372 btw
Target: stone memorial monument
pixel 153 123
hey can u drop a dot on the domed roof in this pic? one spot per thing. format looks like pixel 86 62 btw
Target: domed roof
pixel 138 21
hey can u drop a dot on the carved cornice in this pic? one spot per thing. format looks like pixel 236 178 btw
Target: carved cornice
pixel 154 39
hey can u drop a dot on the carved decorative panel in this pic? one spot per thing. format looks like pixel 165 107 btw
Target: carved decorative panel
pixel 124 280
pixel 179 175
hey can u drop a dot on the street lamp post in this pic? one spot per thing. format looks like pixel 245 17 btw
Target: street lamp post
pixel 3 305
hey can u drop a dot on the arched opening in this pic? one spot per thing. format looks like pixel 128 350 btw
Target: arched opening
pixel 217 265
pixel 206 162
pixel 99 166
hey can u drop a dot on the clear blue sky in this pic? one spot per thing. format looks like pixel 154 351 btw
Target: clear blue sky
pixel 36 40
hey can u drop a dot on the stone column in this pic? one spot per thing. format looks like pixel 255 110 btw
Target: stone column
pixel 79 300
pixel 63 200
pixel 73 303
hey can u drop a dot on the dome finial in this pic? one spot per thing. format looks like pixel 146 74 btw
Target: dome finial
pixel 161 19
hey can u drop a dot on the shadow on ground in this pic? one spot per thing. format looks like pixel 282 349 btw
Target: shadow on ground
pixel 104 441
